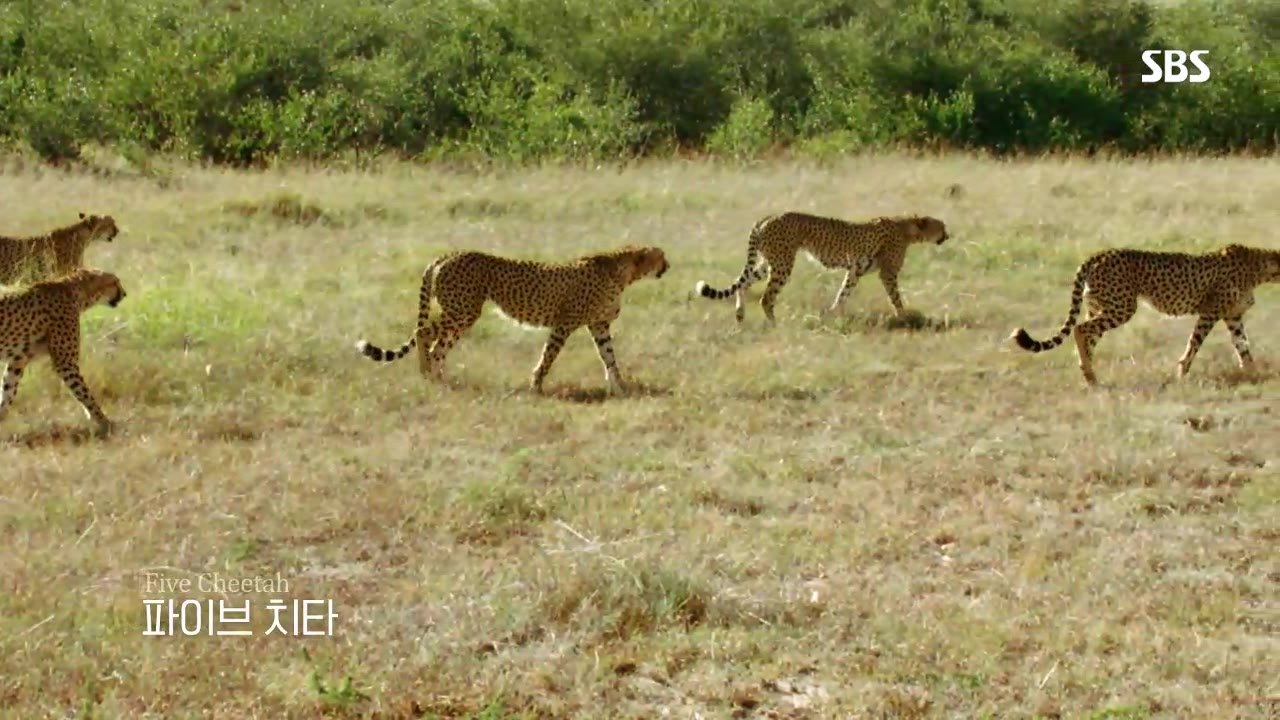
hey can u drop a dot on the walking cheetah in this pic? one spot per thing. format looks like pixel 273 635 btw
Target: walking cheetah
pixel 44 318
pixel 1215 286
pixel 53 254
pixel 560 296
pixel 858 247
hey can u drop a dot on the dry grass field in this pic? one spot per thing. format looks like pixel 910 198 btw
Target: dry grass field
pixel 839 517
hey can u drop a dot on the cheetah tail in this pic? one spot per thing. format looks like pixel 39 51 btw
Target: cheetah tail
pixel 425 293
pixel 749 272
pixel 1026 342
pixel 377 354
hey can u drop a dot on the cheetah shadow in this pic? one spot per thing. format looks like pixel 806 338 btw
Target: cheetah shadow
pixel 1262 373
pixel 591 395
pixel 789 394
pixel 910 321
pixel 227 431
pixel 54 435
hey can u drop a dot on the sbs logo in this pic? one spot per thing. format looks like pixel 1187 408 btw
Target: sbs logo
pixel 1174 69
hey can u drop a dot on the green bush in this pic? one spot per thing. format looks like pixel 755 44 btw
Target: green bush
pixel 746 132
pixel 524 80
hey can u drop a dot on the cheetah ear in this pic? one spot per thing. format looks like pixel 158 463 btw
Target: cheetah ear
pixel 81 216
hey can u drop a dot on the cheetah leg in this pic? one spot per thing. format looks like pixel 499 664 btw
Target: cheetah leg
pixel 1089 332
pixel 447 339
pixel 604 345
pixel 426 338
pixel 1203 325
pixel 450 328
pixel 890 282
pixel 549 352
pixel 435 358
pixel 1240 342
pixel 778 277
pixel 1093 306
pixel 12 376
pixel 757 274
pixel 70 375
pixel 860 267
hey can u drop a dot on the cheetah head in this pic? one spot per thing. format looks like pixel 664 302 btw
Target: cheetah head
pixel 931 229
pixel 1271 266
pixel 103 287
pixel 638 262
pixel 1265 262
pixel 101 226
pixel 652 260
pixel 658 260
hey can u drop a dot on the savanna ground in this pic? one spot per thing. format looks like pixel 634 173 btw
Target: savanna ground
pixel 834 518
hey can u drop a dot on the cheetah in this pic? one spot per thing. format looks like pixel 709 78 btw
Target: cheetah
pixel 857 247
pixel 1215 286
pixel 44 318
pixel 560 296
pixel 53 254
